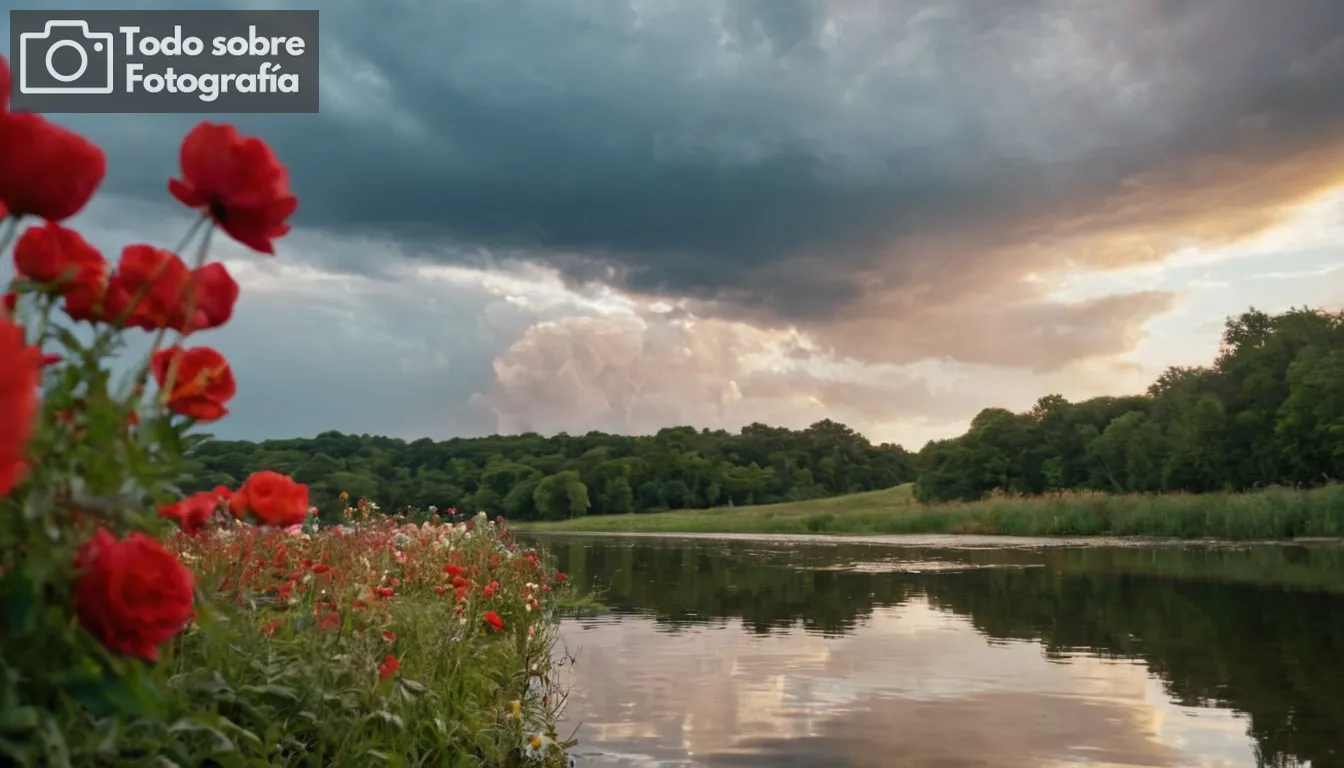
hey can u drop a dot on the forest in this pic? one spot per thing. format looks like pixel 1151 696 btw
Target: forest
pixel 1268 411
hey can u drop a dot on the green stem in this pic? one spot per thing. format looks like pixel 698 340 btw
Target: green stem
pixel 190 312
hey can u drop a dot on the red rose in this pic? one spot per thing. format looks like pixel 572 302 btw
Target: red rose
pixel 202 382
pixel 20 375
pixel 53 254
pixel 493 620
pixel 273 498
pixel 131 594
pixel 238 181
pixel 46 170
pixel 191 513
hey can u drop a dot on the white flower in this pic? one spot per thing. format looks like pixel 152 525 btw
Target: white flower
pixel 535 746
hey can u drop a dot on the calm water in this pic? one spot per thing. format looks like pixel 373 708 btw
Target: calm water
pixel 767 652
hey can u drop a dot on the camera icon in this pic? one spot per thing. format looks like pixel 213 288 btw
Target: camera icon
pixel 38 49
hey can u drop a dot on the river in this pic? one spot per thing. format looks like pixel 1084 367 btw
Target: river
pixel 945 651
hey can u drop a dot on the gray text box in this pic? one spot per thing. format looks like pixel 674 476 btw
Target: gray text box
pixel 164 61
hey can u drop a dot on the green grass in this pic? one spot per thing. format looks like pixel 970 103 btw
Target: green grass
pixel 1274 513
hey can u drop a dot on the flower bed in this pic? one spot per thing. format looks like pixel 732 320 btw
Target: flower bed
pixel 223 628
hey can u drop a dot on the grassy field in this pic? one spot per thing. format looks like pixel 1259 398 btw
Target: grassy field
pixel 1275 513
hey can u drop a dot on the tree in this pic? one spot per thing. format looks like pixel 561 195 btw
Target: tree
pixel 561 495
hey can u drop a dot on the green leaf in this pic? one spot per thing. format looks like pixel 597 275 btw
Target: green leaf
pixel 18 719
pixel 222 742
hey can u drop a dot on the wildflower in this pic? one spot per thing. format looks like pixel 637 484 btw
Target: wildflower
pixel 390 637
pixel 46 170
pixel 493 620
pixel 273 498
pixel 191 513
pixel 329 620
pixel 535 746
pixel 490 589
pixel 51 254
pixel 131 594
pixel 238 181
pixel 148 287
pixel 20 374
pixel 389 666
pixel 202 382
pixel 210 293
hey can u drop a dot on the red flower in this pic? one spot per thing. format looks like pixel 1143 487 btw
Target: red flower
pixel 274 499
pixel 53 254
pixel 453 571
pixel 222 492
pixel 239 182
pixel 20 375
pixel 493 620
pixel 131 594
pixel 46 170
pixel 490 589
pixel 328 621
pixel 202 382
pixel 151 282
pixel 390 637
pixel 211 293
pixel 191 513
pixel 10 302
pixel 389 666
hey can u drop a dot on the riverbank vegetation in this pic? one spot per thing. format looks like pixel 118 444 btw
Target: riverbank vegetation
pixel 1267 412
pixel 1273 513
pixel 144 626
pixel 531 477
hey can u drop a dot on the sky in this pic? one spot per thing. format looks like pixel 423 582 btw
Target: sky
pixel 622 215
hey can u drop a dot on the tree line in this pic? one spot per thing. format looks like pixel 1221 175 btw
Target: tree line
pixel 1268 411
pixel 533 477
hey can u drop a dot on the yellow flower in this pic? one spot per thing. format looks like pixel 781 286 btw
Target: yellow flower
pixel 515 709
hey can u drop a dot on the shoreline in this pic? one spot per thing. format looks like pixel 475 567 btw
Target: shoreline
pixel 947 540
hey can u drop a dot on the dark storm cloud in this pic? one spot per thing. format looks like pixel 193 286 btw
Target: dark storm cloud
pixel 767 153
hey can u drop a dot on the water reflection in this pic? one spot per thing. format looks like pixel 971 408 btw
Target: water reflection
pixel 749 653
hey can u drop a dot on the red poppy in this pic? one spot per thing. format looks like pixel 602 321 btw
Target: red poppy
pixel 389 666
pixel 191 513
pixel 151 283
pixel 20 375
pixel 238 181
pixel 52 254
pixel 202 382
pixel 493 620
pixel 211 293
pixel 46 170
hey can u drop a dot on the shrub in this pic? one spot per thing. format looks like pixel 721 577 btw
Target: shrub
pixel 222 628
